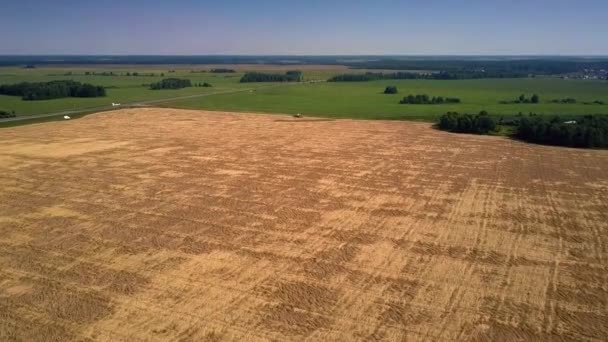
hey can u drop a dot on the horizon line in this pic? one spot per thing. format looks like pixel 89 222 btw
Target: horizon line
pixel 305 55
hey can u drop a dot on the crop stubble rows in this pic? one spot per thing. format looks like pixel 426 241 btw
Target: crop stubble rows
pixel 156 224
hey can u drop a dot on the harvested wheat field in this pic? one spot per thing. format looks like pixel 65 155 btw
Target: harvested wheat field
pixel 162 224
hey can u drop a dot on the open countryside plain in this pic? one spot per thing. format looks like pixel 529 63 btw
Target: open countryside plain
pixel 365 100
pixel 163 224
pixel 360 100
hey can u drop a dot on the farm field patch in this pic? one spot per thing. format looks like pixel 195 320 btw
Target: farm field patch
pixel 119 87
pixel 366 100
pixel 163 224
pixel 362 100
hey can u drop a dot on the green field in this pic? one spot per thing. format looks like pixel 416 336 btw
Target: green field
pixel 366 100
pixel 121 89
pixel 352 99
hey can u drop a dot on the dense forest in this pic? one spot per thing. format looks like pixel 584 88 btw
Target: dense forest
pixel 425 99
pixel 171 83
pixel 289 76
pixel 52 90
pixel 588 131
pixel 481 123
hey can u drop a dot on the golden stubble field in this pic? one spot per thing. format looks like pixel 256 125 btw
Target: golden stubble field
pixel 161 224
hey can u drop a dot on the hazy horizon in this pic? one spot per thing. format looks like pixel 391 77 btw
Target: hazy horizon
pixel 311 28
pixel 305 55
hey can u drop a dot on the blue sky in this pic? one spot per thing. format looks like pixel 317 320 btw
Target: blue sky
pixel 304 27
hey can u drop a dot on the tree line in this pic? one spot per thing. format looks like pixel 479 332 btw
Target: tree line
pixel 476 68
pixel 375 76
pixel 205 85
pixel 588 131
pixel 111 73
pixel 442 75
pixel 523 99
pixel 6 114
pixel 566 100
pixel 52 90
pixel 171 83
pixel 515 67
pixel 571 100
pixel 222 71
pixel 425 99
pixel 465 67
pixel 481 123
pixel 289 76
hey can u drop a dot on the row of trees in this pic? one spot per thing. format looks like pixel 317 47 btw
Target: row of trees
pixel 171 83
pixel 205 85
pixel 289 76
pixel 112 73
pixel 476 67
pixel 568 100
pixel 6 114
pixel 52 90
pixel 374 76
pixel 588 131
pixel 571 100
pixel 442 75
pixel 425 99
pixel 523 99
pixel 481 123
pixel 222 71
pixel 369 76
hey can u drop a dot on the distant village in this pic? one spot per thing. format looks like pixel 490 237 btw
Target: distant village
pixel 588 74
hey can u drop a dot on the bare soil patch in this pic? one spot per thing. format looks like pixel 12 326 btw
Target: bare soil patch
pixel 160 224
